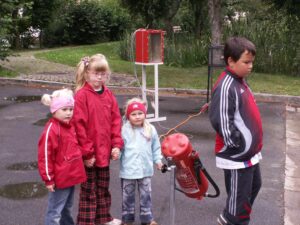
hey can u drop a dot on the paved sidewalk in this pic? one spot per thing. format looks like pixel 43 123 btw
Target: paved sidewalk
pixel 64 76
pixel 292 168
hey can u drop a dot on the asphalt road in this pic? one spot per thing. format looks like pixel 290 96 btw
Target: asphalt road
pixel 19 136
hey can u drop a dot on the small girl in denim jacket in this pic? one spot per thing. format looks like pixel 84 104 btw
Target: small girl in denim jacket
pixel 141 150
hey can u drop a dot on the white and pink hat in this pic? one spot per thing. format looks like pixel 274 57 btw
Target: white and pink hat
pixel 60 102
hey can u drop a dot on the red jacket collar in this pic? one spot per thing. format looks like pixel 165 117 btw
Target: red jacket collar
pixel 89 87
pixel 67 125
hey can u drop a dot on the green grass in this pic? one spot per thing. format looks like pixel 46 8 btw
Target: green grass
pixel 7 73
pixel 173 77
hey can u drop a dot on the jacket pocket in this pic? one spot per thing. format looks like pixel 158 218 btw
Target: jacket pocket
pixel 72 152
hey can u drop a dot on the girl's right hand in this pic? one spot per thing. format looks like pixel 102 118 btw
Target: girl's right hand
pixel 51 187
pixel 159 165
pixel 89 162
pixel 115 153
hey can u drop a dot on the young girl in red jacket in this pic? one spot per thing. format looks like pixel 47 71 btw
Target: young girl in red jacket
pixel 59 158
pixel 98 126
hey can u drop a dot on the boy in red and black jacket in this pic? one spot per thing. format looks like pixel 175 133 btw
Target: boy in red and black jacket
pixel 236 119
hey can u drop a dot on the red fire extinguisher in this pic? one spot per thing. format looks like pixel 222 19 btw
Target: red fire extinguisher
pixel 190 173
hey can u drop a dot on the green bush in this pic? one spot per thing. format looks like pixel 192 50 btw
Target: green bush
pixel 87 23
pixel 276 37
pixel 56 34
pixel 184 50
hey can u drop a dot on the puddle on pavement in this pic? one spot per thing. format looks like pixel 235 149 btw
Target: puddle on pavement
pixel 42 122
pixel 25 190
pixel 202 135
pixel 23 166
pixel 20 99
pixel 2 106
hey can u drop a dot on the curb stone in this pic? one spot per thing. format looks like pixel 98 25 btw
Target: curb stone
pixel 292 101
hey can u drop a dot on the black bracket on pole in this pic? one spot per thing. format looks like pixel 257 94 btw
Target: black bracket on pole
pixel 215 60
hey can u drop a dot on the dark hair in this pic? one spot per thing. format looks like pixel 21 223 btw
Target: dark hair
pixel 235 46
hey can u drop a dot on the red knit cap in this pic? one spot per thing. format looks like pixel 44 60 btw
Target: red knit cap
pixel 135 106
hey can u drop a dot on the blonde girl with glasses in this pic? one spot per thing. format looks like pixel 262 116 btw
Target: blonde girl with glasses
pixel 98 123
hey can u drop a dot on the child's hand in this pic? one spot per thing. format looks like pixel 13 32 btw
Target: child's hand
pixel 115 153
pixel 89 162
pixel 50 187
pixel 159 165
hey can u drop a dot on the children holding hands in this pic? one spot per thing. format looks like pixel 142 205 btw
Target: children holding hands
pixel 79 151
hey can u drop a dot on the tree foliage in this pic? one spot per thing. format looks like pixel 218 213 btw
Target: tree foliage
pixel 274 32
pixel 86 22
pixel 154 12
pixel 149 10
pixel 14 21
pixel 5 25
pixel 291 6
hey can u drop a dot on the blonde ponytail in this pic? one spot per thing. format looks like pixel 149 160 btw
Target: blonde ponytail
pixel 46 99
pixel 81 73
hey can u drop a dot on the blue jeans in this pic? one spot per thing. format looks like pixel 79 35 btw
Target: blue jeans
pixel 128 199
pixel 59 208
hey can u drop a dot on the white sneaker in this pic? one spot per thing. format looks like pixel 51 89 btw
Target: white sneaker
pixel 114 222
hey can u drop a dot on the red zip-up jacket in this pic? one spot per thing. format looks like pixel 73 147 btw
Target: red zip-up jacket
pixel 59 155
pixel 98 123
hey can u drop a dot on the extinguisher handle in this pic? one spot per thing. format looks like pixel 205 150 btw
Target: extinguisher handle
pixel 165 168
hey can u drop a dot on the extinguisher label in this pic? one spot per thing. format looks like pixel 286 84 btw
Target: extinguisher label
pixel 187 181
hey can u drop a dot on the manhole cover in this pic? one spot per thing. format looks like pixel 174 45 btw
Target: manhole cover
pixel 23 166
pixel 23 190
pixel 30 98
pixel 42 122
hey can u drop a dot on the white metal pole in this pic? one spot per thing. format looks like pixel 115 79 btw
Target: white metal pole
pixel 156 90
pixel 172 195
pixel 144 86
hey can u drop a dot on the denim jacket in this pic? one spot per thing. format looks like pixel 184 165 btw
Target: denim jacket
pixel 139 153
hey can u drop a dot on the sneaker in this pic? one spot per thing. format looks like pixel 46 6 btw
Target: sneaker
pixel 113 222
pixel 222 221
pixel 152 223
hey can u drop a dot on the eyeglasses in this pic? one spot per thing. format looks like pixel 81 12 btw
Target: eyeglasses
pixel 99 74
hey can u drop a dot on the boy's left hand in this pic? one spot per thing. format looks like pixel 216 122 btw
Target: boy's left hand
pixel 115 153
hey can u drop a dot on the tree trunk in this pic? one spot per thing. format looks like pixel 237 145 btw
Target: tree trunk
pixel 168 19
pixel 16 44
pixel 198 23
pixel 214 7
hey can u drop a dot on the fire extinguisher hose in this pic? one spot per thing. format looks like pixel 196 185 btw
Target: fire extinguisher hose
pixel 202 110
pixel 213 183
pixel 199 166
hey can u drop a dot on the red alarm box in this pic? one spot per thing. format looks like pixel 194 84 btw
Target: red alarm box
pixel 149 46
